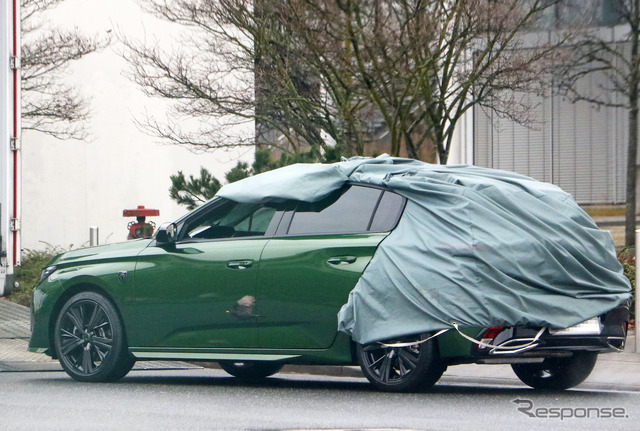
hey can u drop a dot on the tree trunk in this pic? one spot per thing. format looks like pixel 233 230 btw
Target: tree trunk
pixel 632 151
pixel 632 172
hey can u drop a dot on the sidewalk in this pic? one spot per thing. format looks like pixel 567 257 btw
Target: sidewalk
pixel 14 340
pixel 619 371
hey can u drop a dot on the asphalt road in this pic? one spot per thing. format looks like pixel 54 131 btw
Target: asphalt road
pixel 209 399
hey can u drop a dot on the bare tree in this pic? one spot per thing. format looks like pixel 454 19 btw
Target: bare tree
pixel 618 59
pixel 424 64
pixel 304 68
pixel 48 104
pixel 240 65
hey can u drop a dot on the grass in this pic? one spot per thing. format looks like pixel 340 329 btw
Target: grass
pixel 604 210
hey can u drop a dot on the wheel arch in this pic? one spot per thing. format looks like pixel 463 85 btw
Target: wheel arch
pixel 64 297
pixel 353 346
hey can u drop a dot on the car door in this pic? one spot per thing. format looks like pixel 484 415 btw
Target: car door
pixel 200 293
pixel 315 260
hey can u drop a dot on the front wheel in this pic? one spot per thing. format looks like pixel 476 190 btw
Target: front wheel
pixel 89 339
pixel 251 369
pixel 404 368
pixel 557 373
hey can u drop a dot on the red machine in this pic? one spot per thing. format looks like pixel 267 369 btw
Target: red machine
pixel 140 228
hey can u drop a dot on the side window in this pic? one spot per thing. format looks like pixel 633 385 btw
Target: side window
pixel 348 212
pixel 388 212
pixel 229 219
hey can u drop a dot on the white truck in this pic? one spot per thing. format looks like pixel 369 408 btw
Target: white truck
pixel 10 154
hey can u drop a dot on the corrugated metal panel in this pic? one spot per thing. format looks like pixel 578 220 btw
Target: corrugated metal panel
pixel 501 143
pixel 584 152
pixel 621 138
pixel 577 146
pixel 482 136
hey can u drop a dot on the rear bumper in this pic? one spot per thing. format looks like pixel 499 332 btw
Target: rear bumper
pixel 611 338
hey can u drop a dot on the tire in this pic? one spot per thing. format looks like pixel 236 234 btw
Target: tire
pixel 251 369
pixel 401 369
pixel 557 373
pixel 89 339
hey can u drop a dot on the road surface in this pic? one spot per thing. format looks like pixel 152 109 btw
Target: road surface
pixel 209 399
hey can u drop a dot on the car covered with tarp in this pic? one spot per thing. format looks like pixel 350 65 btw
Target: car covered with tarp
pixel 401 266
pixel 474 246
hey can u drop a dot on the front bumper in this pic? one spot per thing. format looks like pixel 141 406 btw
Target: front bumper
pixel 43 303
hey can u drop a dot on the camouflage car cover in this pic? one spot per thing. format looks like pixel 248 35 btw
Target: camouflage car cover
pixel 476 246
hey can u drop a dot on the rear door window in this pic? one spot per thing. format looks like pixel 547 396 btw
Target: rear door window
pixel 349 211
pixel 388 212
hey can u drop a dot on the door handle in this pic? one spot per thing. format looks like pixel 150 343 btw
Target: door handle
pixel 341 260
pixel 239 264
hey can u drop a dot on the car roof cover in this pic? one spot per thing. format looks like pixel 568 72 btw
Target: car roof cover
pixel 475 246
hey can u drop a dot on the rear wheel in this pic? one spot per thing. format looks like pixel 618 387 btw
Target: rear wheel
pixel 557 373
pixel 403 368
pixel 89 339
pixel 251 369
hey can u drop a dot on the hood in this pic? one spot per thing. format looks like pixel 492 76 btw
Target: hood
pixel 119 251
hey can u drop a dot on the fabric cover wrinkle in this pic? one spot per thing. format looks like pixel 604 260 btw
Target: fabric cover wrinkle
pixel 477 246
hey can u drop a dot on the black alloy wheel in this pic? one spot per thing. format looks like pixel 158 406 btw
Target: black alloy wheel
pixel 557 373
pixel 404 368
pixel 89 339
pixel 251 369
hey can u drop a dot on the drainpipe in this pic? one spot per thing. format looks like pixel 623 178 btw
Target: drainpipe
pixel 16 143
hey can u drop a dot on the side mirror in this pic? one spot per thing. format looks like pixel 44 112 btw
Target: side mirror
pixel 167 234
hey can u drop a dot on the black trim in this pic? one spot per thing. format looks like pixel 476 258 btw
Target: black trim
pixel 274 224
pixel 375 210
pixel 283 227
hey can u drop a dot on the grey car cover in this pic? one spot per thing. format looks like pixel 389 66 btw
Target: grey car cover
pixel 475 246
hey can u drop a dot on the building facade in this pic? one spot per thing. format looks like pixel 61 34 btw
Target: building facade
pixel 578 146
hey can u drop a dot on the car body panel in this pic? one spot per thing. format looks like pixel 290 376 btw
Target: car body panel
pixel 93 268
pixel 300 292
pixel 340 353
pixel 188 295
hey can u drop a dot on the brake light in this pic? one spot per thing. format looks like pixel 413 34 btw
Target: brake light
pixel 492 333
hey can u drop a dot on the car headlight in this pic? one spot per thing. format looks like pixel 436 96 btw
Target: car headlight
pixel 46 272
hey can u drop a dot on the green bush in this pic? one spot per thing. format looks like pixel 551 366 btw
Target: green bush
pixel 29 272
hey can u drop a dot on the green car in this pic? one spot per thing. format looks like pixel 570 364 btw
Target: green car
pixel 254 286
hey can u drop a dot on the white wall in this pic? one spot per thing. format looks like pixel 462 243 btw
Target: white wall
pixel 69 186
pixel 461 152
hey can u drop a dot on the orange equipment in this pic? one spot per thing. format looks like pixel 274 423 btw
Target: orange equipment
pixel 140 228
